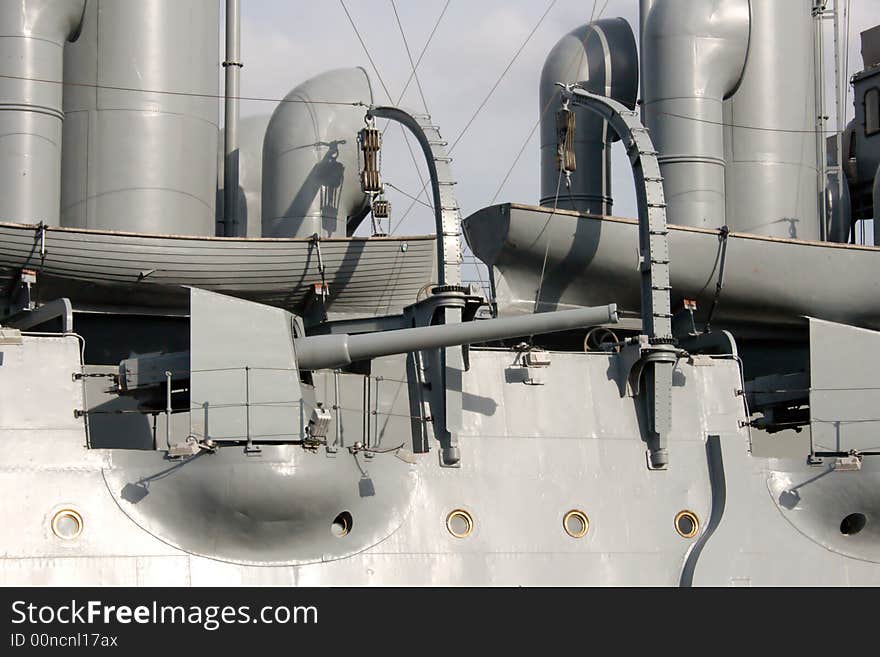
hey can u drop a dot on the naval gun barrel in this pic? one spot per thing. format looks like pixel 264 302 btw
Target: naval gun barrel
pixel 332 351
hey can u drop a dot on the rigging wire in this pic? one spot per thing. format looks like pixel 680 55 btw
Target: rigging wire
pixel 547 106
pixel 413 74
pixel 421 93
pixel 384 86
pixel 193 94
pixel 547 246
pixel 409 56
pixel 516 55
pixel 491 92
pixel 366 50
pixel 424 49
pixel 409 196
pixel 747 127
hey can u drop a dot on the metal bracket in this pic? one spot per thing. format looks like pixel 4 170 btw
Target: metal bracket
pixel 440 386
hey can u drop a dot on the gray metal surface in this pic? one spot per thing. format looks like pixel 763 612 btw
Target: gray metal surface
pixel 311 182
pixel 867 151
pixel 588 457
pixel 141 118
pixel 871 47
pixel 693 55
pixel 243 378
pixel 374 275
pixel 31 63
pixel 844 395
pixel 214 455
pixel 251 131
pixel 602 58
pixel 770 133
pixel 517 504
pixel 593 260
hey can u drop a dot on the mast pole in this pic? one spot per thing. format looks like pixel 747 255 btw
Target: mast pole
pixel 230 132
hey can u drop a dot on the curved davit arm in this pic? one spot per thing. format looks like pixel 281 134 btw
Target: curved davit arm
pixel 653 243
pixel 446 212
pixel 656 356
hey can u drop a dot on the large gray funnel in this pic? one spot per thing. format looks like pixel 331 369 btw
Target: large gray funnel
pixel 770 139
pixel 32 37
pixel 141 119
pixel 602 58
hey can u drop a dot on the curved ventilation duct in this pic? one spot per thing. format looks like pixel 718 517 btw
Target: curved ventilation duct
pixel 32 62
pixel 310 158
pixel 772 170
pixel 693 58
pixel 602 57
pixel 136 159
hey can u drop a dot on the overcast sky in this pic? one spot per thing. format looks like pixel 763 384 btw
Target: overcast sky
pixel 284 42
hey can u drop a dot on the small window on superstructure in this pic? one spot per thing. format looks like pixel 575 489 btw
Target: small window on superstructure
pixel 872 111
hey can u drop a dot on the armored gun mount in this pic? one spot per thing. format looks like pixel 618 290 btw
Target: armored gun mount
pixel 242 380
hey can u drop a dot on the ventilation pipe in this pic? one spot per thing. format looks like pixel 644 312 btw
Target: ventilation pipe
pixel 693 58
pixel 772 162
pixel 644 10
pixel 310 157
pixel 603 59
pixel 32 63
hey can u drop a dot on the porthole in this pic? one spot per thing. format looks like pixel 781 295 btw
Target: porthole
pixel 853 524
pixel 576 524
pixel 687 524
pixel 460 523
pixel 342 524
pixel 67 524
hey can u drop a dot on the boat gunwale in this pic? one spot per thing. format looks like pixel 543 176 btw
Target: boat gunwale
pixel 211 238
pixel 687 229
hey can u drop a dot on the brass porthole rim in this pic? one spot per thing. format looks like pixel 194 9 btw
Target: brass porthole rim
pixel 580 515
pixel 695 521
pixel 67 512
pixel 464 515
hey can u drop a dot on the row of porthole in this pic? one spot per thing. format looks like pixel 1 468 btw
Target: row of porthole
pixel 68 524
pixel 576 523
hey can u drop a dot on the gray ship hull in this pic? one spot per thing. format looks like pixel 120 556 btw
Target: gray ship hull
pixel 530 454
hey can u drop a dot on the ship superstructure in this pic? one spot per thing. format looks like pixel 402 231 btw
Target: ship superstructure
pixel 207 376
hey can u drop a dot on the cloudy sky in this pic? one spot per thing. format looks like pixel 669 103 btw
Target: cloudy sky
pixel 284 42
